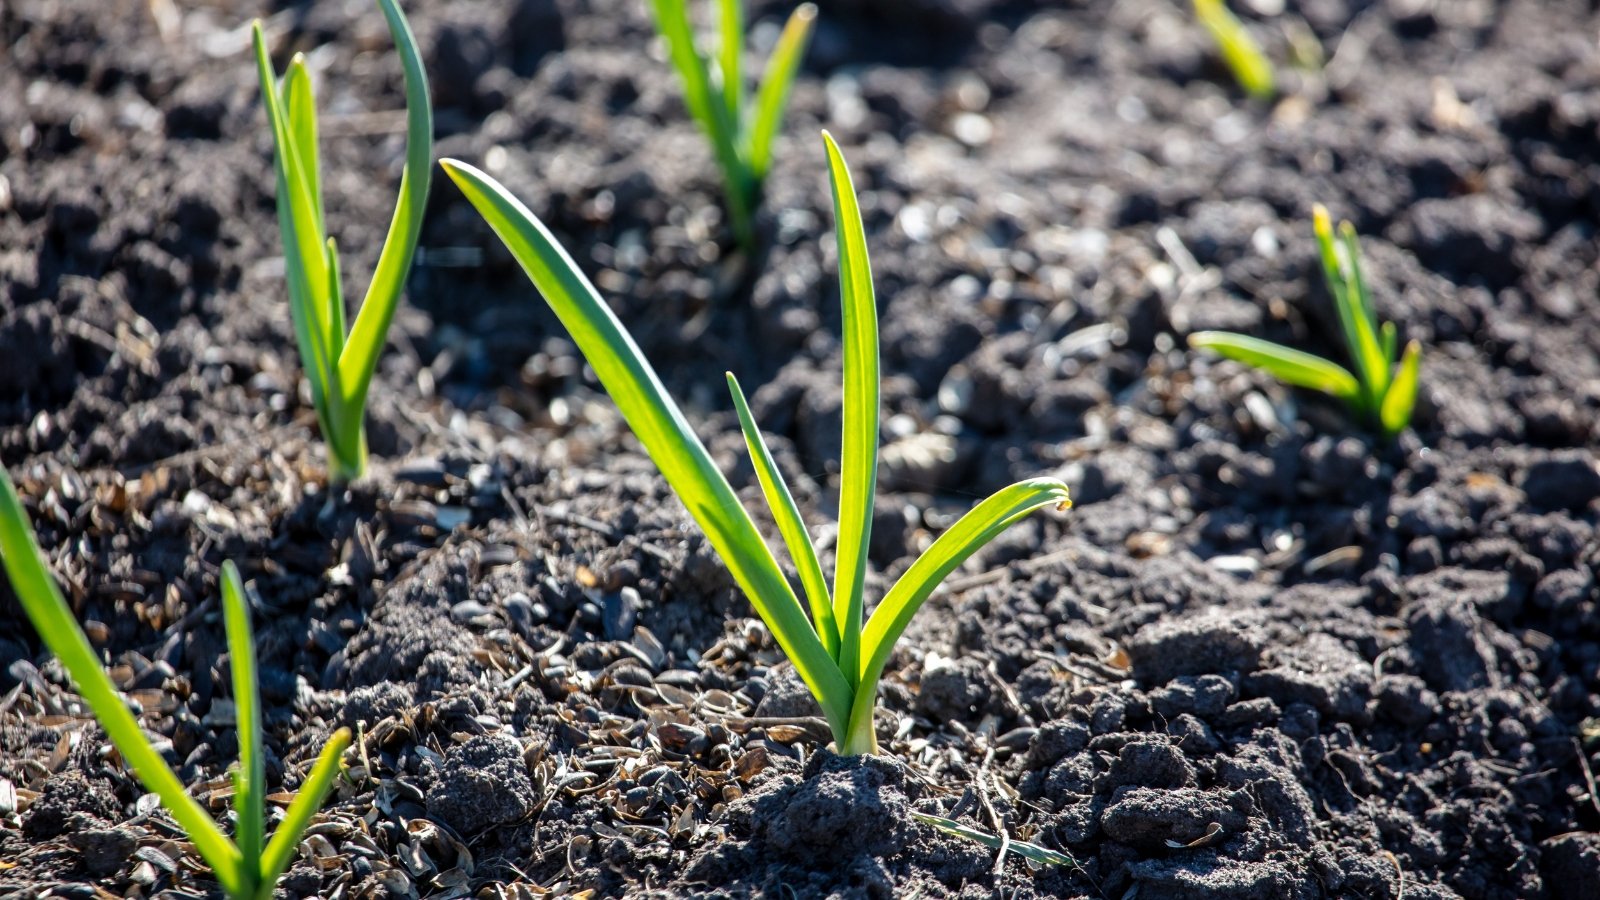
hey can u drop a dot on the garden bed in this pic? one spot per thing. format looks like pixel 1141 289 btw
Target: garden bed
pixel 1264 656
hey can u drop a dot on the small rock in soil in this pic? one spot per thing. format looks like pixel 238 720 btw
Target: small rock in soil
pixel 104 850
pixel 1202 695
pixel 1149 817
pixel 1150 763
pixel 1212 877
pixel 1215 642
pixel 1448 641
pixel 1573 862
pixel 787 696
pixel 955 689
pixel 1320 671
pixel 483 783
pixel 374 703
pixel 1566 481
pixel 1405 699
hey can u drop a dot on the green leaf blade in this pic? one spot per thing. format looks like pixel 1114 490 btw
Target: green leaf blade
pixel 1240 51
pixel 858 463
pixel 300 107
pixel 298 222
pixel 1360 335
pixel 663 430
pixel 708 109
pixel 982 524
pixel 280 850
pixel 250 793
pixel 730 52
pixel 52 617
pixel 772 97
pixel 1358 281
pixel 786 514
pixel 1401 400
pixel 359 357
pixel 1288 365
pixel 1366 346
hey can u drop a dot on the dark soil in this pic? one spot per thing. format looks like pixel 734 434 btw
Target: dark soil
pixel 1265 656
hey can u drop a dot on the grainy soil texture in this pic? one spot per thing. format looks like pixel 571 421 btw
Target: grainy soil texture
pixel 1267 655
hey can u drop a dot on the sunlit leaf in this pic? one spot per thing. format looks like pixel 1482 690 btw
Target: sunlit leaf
pixel 776 82
pixel 1401 400
pixel 340 367
pixel 662 428
pixel 1239 49
pixel 982 524
pixel 858 463
pixel 786 514
pixel 1283 363
pixel 250 792
pixel 47 609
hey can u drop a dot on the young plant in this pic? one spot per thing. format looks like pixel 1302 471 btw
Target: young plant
pixel 839 652
pixel 741 136
pixel 1240 52
pixel 1377 393
pixel 248 866
pixel 340 366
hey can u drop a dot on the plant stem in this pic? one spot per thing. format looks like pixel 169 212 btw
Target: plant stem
pixel 346 465
pixel 862 737
pixel 744 195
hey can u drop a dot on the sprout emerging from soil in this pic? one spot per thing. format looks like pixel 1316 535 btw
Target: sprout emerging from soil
pixel 248 866
pixel 838 654
pixel 1243 56
pixel 741 136
pixel 1378 393
pixel 340 367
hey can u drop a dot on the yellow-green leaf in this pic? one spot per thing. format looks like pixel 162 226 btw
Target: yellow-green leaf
pixel 858 463
pixel 1283 363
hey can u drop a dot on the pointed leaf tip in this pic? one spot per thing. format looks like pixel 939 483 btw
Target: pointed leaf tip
pixel 1321 222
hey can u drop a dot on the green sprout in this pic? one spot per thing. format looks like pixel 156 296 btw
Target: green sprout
pixel 340 366
pixel 1378 393
pixel 741 136
pixel 248 866
pixel 839 654
pixel 1240 52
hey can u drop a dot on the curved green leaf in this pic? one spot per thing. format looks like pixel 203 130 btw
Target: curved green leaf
pixel 304 252
pixel 730 51
pixel 1358 282
pixel 1283 363
pixel 301 109
pixel 858 463
pixel 1243 56
pixel 250 785
pixel 672 21
pixel 343 428
pixel 48 610
pixel 978 527
pixel 786 514
pixel 359 358
pixel 1401 399
pixel 776 81
pixel 662 428
pixel 1360 335
pixel 280 850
